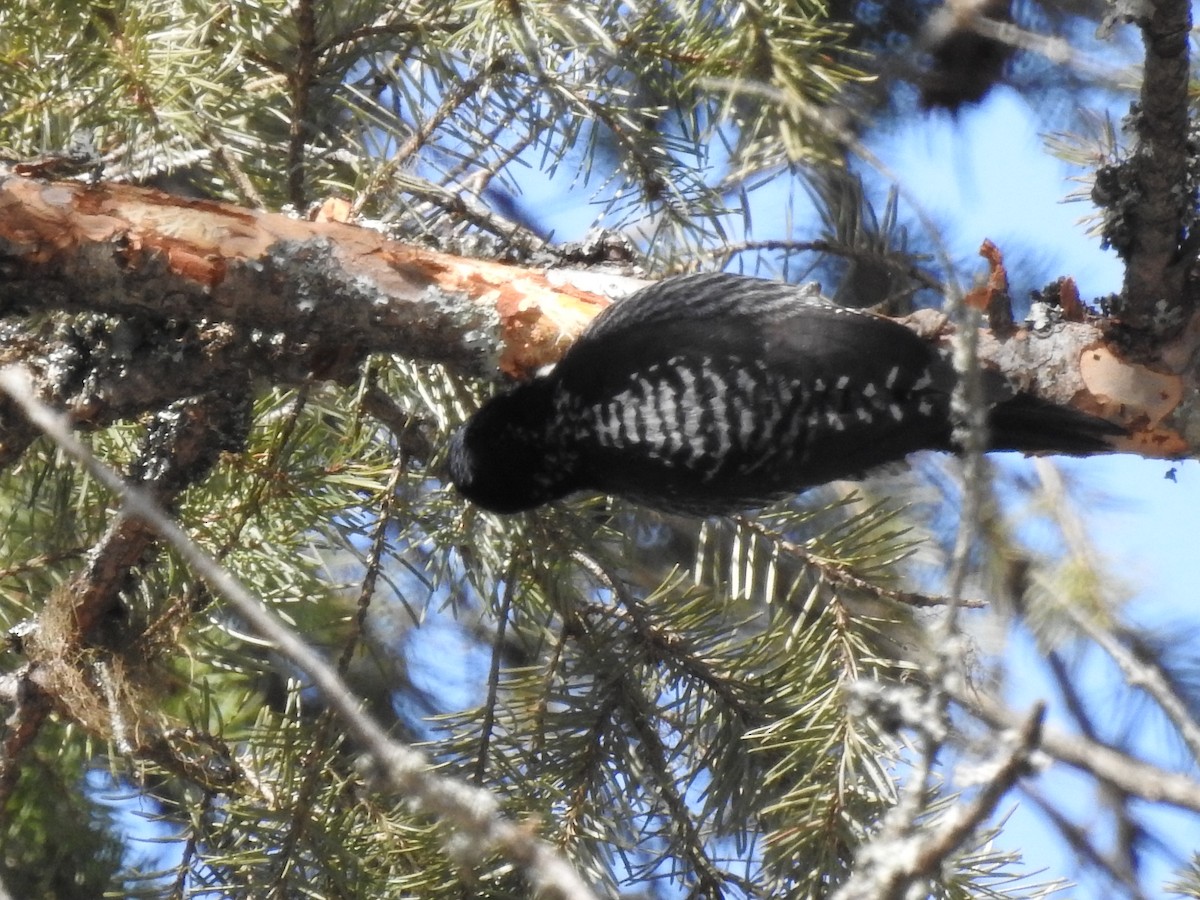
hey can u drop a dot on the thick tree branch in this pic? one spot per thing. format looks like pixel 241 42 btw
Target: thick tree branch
pixel 1162 206
pixel 272 296
pixel 332 292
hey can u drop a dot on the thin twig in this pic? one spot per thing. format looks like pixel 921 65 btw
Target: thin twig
pixel 654 753
pixel 190 846
pixel 470 209
pixel 1138 673
pixel 1011 765
pixel 656 640
pixel 894 262
pixel 890 870
pixel 838 573
pixel 1055 50
pixel 1124 772
pixel 1082 846
pixel 1145 675
pixel 301 80
pixel 421 135
pixel 374 562
pixel 471 810
pixel 225 158
pixel 489 709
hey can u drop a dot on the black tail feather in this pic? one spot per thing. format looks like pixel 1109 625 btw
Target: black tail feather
pixel 1031 425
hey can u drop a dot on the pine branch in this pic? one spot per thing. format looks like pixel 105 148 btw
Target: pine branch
pixel 897 862
pixel 474 812
pixel 316 297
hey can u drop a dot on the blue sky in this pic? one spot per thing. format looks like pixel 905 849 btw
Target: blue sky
pixel 989 175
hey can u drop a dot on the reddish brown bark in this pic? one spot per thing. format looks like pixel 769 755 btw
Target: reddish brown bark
pixel 333 293
pixel 337 291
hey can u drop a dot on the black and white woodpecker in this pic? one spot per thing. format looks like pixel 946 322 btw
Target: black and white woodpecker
pixel 714 393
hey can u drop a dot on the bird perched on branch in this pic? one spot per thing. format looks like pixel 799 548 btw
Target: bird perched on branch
pixel 714 393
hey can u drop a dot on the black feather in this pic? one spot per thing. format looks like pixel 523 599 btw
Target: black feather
pixel 711 393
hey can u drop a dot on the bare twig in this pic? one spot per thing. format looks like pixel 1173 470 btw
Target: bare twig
pixel 301 79
pixel 1138 673
pixel 1055 50
pixel 374 562
pixel 227 160
pixel 470 208
pixel 1122 771
pixel 1143 674
pixel 463 92
pixel 895 263
pixel 1011 764
pixel 1082 845
pixel 493 690
pixel 887 871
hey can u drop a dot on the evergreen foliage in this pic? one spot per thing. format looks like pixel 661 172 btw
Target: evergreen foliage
pixel 684 708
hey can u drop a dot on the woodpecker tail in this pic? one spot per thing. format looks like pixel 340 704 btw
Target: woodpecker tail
pixel 1031 425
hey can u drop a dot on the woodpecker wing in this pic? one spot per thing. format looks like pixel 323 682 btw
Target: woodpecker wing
pixel 731 391
pixel 712 393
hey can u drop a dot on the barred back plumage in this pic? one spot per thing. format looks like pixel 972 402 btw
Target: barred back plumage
pixel 712 393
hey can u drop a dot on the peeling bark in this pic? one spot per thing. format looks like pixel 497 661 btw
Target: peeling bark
pixel 266 295
pixel 334 293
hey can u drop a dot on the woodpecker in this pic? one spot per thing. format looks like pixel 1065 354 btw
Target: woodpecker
pixel 714 393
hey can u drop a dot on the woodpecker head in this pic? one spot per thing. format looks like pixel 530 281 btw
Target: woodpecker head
pixel 508 458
